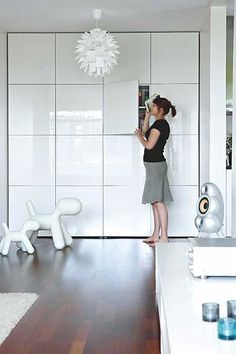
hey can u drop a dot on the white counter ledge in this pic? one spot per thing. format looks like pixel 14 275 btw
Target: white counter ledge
pixel 180 297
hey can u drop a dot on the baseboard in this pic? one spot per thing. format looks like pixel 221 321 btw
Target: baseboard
pixel 120 237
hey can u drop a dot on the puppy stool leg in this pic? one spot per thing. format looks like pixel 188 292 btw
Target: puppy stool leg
pixel 57 234
pixel 67 237
pixel 2 243
pixel 6 245
pixel 29 248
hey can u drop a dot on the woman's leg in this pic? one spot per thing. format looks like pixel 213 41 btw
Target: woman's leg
pixel 163 214
pixel 157 225
pixel 155 235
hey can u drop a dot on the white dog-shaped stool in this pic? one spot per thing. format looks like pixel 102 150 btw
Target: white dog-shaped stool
pixel 60 235
pixel 22 236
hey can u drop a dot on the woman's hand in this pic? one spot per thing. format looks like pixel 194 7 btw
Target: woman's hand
pixel 138 133
pixel 145 124
pixel 147 115
pixel 152 139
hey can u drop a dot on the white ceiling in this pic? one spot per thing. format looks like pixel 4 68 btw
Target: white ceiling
pixel 123 15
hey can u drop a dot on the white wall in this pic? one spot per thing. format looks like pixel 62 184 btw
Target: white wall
pixel 213 100
pixel 156 16
pixel 205 100
pixel 3 130
pixel 218 97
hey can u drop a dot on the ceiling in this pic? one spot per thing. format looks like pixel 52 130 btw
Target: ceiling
pixel 125 15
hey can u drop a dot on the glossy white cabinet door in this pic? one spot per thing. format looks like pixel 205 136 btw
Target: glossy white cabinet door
pixel 32 160
pixel 181 152
pixel 134 58
pixel 79 160
pixel 43 198
pixel 79 109
pixel 31 58
pixel 123 161
pixel 121 107
pixel 31 109
pixel 124 213
pixel 89 221
pixel 182 211
pixel 67 69
pixel 174 57
pixel 185 98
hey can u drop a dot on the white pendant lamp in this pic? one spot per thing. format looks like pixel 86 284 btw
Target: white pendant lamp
pixel 96 51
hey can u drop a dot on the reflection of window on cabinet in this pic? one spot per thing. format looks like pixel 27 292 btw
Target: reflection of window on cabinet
pixel 143 96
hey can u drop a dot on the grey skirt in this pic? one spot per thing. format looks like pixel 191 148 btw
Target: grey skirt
pixel 156 188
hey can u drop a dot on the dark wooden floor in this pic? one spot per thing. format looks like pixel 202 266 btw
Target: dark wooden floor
pixel 95 298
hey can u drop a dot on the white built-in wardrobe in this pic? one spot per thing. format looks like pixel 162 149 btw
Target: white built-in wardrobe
pixel 73 136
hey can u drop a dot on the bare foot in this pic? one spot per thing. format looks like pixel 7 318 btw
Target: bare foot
pixel 151 239
pixel 162 239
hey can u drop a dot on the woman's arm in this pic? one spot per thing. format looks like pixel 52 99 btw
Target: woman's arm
pixel 146 122
pixel 152 139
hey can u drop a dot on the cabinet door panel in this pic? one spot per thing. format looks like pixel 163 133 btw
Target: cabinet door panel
pixel 124 215
pixel 32 160
pixel 174 57
pixel 121 107
pixel 185 98
pixel 79 109
pixel 181 152
pixel 182 211
pixel 89 221
pixel 32 105
pixel 79 160
pixel 31 58
pixel 43 198
pixel 134 58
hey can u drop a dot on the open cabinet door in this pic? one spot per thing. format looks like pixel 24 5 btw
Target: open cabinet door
pixel 124 214
pixel 120 107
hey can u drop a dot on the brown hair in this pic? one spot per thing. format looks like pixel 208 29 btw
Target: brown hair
pixel 164 103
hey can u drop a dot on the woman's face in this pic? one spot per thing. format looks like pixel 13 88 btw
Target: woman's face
pixel 155 109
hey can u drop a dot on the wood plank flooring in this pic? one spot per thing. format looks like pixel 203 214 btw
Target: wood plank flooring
pixel 94 298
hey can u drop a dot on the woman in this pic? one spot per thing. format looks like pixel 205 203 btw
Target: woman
pixel 156 190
